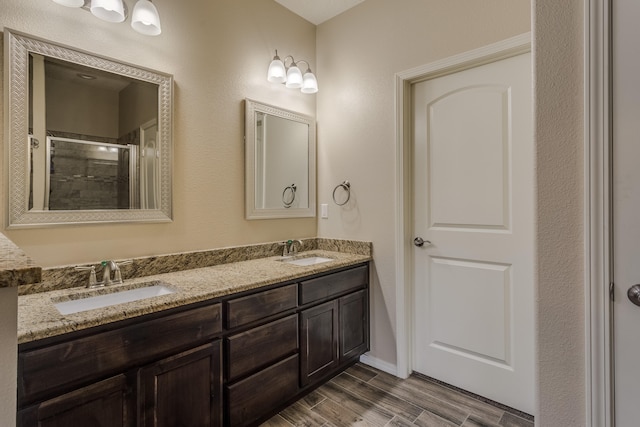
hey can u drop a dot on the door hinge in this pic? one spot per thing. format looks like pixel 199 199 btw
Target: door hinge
pixel 611 294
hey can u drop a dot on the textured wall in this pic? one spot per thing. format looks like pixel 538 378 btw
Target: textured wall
pixel 8 359
pixel 358 53
pixel 8 325
pixel 558 53
pixel 218 52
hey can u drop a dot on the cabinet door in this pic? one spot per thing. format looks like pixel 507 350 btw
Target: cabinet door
pixel 354 325
pixel 182 390
pixel 107 403
pixel 319 341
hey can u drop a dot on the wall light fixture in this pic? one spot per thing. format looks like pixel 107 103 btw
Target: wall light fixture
pixel 144 19
pixel 291 76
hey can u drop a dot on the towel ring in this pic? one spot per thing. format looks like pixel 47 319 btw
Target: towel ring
pixel 292 190
pixel 346 186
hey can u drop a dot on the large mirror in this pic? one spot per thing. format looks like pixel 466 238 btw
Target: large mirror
pixel 89 137
pixel 280 166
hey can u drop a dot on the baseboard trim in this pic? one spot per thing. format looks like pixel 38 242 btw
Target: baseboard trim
pixel 374 362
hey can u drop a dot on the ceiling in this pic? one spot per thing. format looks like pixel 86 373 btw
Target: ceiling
pixel 318 11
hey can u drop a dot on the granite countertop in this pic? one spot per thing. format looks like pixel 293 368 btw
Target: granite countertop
pixel 38 317
pixel 15 267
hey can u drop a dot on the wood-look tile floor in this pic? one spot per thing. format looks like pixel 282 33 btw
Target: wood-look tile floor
pixel 363 396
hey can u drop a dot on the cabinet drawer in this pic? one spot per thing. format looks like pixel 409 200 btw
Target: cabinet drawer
pixel 262 393
pixel 333 284
pixel 261 346
pixel 106 403
pixel 244 310
pixel 67 364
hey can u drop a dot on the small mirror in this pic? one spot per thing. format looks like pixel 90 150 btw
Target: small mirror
pixel 89 137
pixel 280 163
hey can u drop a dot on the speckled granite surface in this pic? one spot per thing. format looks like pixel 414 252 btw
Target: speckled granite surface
pixel 68 277
pixel 38 317
pixel 15 267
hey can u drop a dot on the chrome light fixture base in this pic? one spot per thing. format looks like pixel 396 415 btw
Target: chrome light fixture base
pixel 291 76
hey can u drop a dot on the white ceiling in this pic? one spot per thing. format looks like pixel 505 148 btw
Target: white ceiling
pixel 318 11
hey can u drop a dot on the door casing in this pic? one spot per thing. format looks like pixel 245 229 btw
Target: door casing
pixel 504 49
pixel 597 208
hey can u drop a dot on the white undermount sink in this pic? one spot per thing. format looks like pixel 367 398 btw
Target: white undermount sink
pixel 312 260
pixel 105 300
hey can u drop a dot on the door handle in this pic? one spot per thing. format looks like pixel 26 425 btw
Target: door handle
pixel 419 242
pixel 634 294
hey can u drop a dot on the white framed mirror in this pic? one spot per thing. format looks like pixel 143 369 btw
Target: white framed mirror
pixel 280 162
pixel 89 138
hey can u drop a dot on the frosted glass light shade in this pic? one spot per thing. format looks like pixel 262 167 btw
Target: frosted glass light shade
pixel 108 10
pixel 294 77
pixel 309 83
pixel 277 72
pixel 70 3
pixel 145 18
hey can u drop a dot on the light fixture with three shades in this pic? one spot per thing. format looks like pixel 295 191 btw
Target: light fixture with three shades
pixel 291 76
pixel 144 18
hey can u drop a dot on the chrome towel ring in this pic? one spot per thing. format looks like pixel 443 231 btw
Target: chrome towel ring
pixel 346 186
pixel 291 189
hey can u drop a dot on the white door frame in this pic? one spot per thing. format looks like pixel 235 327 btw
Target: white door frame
pixel 404 277
pixel 597 208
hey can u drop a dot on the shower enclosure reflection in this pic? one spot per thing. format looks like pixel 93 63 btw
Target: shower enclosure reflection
pixel 99 154
pixel 88 175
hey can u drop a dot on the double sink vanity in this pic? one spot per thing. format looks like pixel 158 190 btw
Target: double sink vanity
pixel 227 344
pixel 222 337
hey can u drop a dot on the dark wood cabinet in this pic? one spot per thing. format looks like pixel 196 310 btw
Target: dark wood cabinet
pixel 77 360
pixel 260 305
pixel 165 368
pixel 333 284
pixel 107 403
pixel 319 341
pixel 182 390
pixel 354 325
pixel 233 361
pixel 334 333
pixel 261 363
pixel 252 398
pixel 261 346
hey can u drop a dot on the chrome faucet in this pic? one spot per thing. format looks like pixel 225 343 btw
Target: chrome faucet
pixel 111 266
pixel 107 268
pixel 289 247
pixel 292 248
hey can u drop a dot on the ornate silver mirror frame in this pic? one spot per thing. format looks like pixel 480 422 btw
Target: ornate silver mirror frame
pixel 292 193
pixel 17 50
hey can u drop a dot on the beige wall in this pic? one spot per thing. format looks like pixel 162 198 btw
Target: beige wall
pixel 8 360
pixel 8 325
pixel 218 52
pixel 558 53
pixel 81 109
pixel 358 53
pixel 137 104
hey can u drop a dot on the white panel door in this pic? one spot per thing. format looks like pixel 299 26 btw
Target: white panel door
pixel 626 208
pixel 473 164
